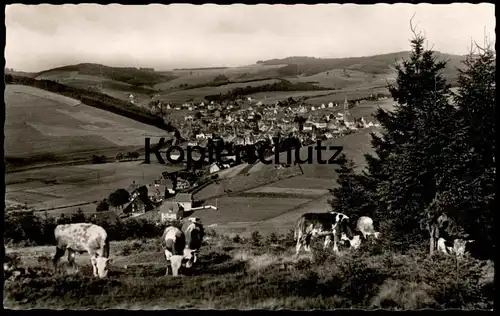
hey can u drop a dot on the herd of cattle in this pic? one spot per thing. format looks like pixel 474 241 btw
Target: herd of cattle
pixel 181 246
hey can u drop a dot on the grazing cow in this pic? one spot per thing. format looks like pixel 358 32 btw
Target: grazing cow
pixel 194 233
pixel 365 226
pixel 174 244
pixel 442 227
pixel 83 237
pixel 311 225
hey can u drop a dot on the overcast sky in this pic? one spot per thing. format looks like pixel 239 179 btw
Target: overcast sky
pixel 44 36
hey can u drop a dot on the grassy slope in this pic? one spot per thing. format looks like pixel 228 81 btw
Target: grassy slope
pixel 40 122
pixel 237 274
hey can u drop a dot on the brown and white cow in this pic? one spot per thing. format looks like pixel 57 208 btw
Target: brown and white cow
pixel 365 226
pixel 83 237
pixel 312 225
pixel 194 233
pixel 174 243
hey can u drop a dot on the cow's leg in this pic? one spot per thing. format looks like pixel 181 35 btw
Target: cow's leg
pixel 93 256
pixel 432 242
pixel 335 243
pixel 328 240
pixel 299 244
pixel 71 259
pixel 168 255
pixel 307 246
pixel 59 253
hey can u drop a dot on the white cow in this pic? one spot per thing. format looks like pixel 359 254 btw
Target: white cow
pixel 174 244
pixel 83 237
pixel 365 226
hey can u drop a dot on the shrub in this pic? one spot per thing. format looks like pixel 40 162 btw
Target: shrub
pixel 272 239
pixel 256 238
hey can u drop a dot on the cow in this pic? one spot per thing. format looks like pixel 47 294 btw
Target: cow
pixel 311 225
pixel 194 233
pixel 365 226
pixel 442 227
pixel 174 243
pixel 83 237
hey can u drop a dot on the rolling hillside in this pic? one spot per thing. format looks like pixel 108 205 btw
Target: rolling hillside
pixel 361 74
pixel 40 123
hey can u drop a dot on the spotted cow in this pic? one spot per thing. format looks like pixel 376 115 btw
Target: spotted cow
pixel 194 233
pixel 81 238
pixel 312 225
pixel 174 243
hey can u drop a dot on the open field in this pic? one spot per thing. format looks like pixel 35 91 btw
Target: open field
pixel 207 76
pixel 198 94
pixel 60 186
pixel 40 122
pixel 349 93
pixel 248 274
pixel 272 97
pixel 336 79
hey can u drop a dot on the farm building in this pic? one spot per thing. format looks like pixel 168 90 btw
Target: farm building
pixel 185 200
pixel 138 205
pixel 137 189
pixel 159 190
pixel 170 210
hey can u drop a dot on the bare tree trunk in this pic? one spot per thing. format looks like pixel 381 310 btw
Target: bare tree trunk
pixel 431 248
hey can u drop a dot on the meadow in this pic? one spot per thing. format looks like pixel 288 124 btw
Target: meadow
pixel 248 273
pixel 48 188
pixel 40 122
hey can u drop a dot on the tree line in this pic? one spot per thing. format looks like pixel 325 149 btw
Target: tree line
pixel 283 85
pixel 436 154
pixel 94 99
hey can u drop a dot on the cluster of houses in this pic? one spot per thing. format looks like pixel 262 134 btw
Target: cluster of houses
pixel 158 198
pixel 250 123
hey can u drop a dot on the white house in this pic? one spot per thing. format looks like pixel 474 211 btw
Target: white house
pixel 200 136
pixel 330 105
pixel 214 168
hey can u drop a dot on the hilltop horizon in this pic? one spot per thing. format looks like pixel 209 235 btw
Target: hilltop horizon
pixel 286 60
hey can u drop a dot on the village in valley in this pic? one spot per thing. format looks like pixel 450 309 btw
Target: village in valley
pixel 243 122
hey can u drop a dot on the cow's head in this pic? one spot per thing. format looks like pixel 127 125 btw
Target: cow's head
pixel 101 265
pixel 176 263
pixel 190 257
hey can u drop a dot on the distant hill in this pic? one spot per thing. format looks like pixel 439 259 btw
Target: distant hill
pixel 8 71
pixel 377 64
pixel 129 75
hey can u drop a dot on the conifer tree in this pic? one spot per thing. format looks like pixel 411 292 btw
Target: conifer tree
pixel 408 152
pixel 351 196
pixel 468 180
